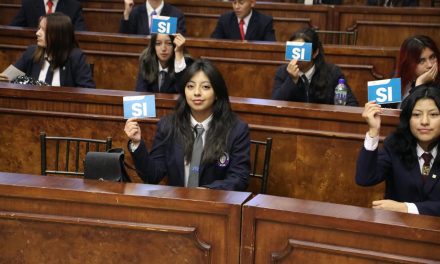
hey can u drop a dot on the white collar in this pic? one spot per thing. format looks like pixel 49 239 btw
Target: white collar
pixel 309 73
pixel 246 19
pixel 150 8
pixel 206 123
pixel 420 151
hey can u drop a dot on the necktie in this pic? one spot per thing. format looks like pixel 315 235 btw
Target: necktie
pixel 49 7
pixel 306 86
pixel 427 157
pixel 162 76
pixel 49 75
pixel 242 29
pixel 151 18
pixel 193 179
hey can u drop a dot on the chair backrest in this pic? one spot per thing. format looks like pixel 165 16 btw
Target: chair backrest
pixel 337 37
pixel 67 153
pixel 258 170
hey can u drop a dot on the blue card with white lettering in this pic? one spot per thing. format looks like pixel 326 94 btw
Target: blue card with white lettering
pixel 385 91
pixel 301 51
pixel 139 106
pixel 164 25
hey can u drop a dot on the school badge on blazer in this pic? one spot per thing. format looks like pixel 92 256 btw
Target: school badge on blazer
pixel 223 161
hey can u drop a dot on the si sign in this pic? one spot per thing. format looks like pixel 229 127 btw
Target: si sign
pixel 139 106
pixel 385 91
pixel 301 51
pixel 164 25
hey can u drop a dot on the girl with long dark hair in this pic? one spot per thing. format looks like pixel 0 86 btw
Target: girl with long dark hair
pixel 225 144
pixel 408 162
pixel 309 81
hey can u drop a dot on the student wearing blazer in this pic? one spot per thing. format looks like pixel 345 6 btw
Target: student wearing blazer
pixel 257 26
pixel 56 54
pixel 31 11
pixel 411 179
pixel 162 64
pixel 225 158
pixel 309 81
pixel 137 20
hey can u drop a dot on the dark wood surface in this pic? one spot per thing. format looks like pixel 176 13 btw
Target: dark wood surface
pixel 314 146
pixel 285 230
pixel 48 219
pixel 248 68
pixel 201 18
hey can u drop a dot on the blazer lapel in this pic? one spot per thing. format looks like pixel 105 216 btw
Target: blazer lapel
pixel 433 176
pixel 252 27
pixel 235 28
pixel 180 161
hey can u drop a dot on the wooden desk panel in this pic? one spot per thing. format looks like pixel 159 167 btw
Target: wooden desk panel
pixel 48 219
pixel 314 146
pixel 285 230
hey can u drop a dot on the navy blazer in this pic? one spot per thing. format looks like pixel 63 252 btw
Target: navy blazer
pixel 284 88
pixel 170 85
pixel 74 73
pixel 31 11
pixel 139 24
pixel 260 27
pixel 402 184
pixel 167 159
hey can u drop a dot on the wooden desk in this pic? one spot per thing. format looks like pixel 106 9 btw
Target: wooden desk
pixel 248 68
pixel 285 230
pixel 314 146
pixel 48 219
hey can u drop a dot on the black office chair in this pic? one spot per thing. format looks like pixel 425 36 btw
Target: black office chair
pixel 258 170
pixel 337 37
pixel 75 149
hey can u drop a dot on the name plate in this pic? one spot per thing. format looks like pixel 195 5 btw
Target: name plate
pixel 164 25
pixel 139 106
pixel 385 91
pixel 301 51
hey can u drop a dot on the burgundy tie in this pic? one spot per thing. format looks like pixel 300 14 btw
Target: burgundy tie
pixel 242 29
pixel 427 157
pixel 49 7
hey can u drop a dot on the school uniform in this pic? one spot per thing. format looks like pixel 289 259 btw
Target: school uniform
pixel 139 21
pixel 74 73
pixel 286 89
pixel 260 27
pixel 31 11
pixel 166 159
pixel 401 184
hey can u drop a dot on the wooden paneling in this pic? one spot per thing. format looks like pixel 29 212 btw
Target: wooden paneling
pixel 117 56
pixel 48 219
pixel 284 230
pixel 314 146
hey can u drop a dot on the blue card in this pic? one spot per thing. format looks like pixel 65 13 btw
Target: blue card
pixel 301 51
pixel 385 91
pixel 164 25
pixel 139 106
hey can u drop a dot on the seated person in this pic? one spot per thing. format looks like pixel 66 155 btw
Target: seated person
pixel 31 11
pixel 408 162
pixel 202 132
pixel 418 63
pixel 244 23
pixel 162 64
pixel 309 81
pixel 137 20
pixel 56 59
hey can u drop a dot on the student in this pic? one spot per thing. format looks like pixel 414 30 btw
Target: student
pixel 162 64
pixel 31 11
pixel 203 103
pixel 56 59
pixel 137 20
pixel 309 81
pixel 244 23
pixel 418 63
pixel 412 180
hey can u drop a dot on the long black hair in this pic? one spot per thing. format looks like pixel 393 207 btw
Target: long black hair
pixel 60 40
pixel 323 74
pixel 148 61
pixel 405 143
pixel 223 119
